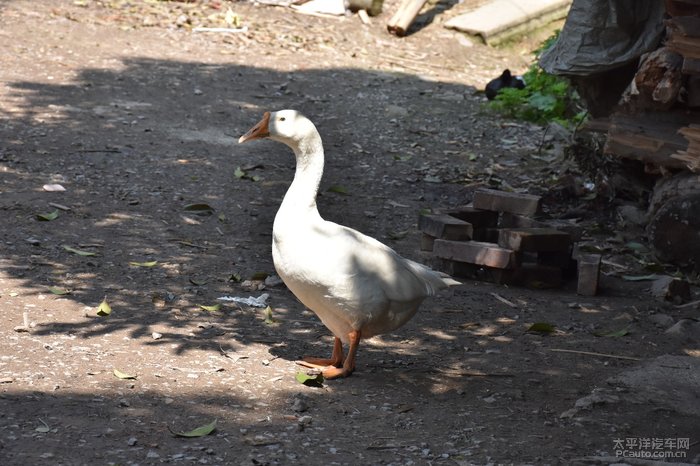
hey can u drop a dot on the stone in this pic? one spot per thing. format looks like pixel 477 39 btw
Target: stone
pixel 671 289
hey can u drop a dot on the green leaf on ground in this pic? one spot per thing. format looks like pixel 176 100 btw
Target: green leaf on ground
pixel 198 432
pixel 267 313
pixel 635 246
pixel 614 333
pixel 259 276
pixel 199 208
pixel 338 190
pixel 639 278
pixel 121 375
pixel 104 309
pixel 79 252
pixel 47 217
pixel 143 264
pixel 212 308
pixel 44 428
pixel 541 327
pixel 315 380
pixel 58 291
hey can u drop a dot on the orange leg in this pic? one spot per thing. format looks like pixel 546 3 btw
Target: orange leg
pixel 336 359
pixel 349 363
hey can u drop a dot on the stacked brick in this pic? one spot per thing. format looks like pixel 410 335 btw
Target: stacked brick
pixel 497 238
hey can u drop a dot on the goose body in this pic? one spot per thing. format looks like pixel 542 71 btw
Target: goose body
pixel 356 285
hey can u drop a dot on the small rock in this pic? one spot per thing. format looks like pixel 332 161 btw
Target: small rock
pixel 300 405
pixel 686 328
pixel 273 280
pixel 661 320
pixel 394 111
pixel 463 41
pixel 632 215
pixel 304 420
pixel 597 397
pixel 557 132
pixel 156 335
pixel 152 454
pixel 671 289
pixel 33 241
pixel 132 441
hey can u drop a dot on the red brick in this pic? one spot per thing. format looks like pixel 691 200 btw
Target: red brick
pixel 445 227
pixel 588 274
pixel 534 239
pixel 477 217
pixel 501 201
pixel 475 252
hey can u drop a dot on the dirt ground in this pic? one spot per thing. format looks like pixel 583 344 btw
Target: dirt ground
pixel 137 118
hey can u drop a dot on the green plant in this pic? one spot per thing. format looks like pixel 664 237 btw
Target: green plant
pixel 545 97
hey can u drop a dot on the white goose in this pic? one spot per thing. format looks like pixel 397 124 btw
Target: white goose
pixel 356 285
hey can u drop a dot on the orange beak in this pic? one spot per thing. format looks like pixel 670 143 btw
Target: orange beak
pixel 258 131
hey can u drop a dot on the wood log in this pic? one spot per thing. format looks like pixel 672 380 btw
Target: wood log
pixel 656 84
pixel 690 156
pixel 692 88
pixel 691 66
pixel 675 231
pixel 680 185
pixel 681 7
pixel 404 17
pixel 683 36
pixel 650 137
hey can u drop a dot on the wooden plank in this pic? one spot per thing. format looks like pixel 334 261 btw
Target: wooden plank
pixel 502 201
pixel 404 16
pixel 534 239
pixel 479 218
pixel 445 227
pixel 650 137
pixel 475 252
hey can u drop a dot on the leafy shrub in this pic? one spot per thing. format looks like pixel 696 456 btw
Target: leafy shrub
pixel 545 97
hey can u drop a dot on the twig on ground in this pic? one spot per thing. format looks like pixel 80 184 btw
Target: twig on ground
pixel 590 353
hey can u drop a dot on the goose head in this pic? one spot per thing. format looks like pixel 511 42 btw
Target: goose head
pixel 286 126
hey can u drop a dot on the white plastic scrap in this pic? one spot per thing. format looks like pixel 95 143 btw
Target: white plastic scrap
pixel 260 301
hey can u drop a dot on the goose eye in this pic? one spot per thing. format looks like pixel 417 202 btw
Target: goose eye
pixel 282 118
